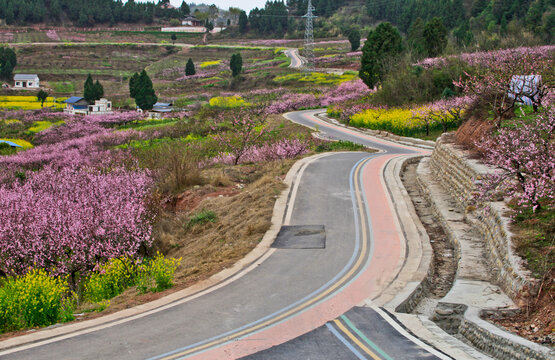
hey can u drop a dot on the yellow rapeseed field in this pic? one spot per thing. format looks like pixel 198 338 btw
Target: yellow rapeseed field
pixel 210 63
pixel 402 121
pixel 228 102
pixel 28 102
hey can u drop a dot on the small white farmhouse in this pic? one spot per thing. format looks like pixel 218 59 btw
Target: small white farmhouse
pixel 26 81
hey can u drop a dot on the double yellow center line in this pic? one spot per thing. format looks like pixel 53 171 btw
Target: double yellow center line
pixel 344 279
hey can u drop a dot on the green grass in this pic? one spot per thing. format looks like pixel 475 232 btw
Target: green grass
pixel 63 86
pixel 233 47
pixel 148 124
pixel 117 73
pixel 536 239
pixel 202 217
pixel 339 146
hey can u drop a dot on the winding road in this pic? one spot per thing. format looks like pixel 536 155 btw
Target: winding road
pixel 339 247
pixel 296 60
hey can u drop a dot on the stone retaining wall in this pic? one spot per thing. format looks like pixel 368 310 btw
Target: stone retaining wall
pixel 453 167
pixel 501 345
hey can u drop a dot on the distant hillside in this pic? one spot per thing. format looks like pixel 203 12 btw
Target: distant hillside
pixel 537 15
pixel 484 24
pixel 85 13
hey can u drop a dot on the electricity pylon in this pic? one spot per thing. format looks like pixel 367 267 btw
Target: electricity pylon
pixel 309 38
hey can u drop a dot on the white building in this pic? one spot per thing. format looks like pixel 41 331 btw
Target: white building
pixel 102 106
pixel 159 109
pixel 26 81
pixel 191 21
pixel 78 105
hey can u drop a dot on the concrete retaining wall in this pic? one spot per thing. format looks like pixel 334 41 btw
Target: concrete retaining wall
pixel 454 168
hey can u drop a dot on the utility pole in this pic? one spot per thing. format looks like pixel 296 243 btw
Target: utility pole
pixel 309 38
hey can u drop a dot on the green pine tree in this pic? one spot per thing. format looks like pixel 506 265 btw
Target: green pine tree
pixel 243 22
pixel 184 8
pixel 133 82
pixel 89 89
pixel 190 68
pixel 354 39
pixel 145 96
pixel 98 90
pixel 382 47
pixel 416 40
pixel 236 64
pixel 435 34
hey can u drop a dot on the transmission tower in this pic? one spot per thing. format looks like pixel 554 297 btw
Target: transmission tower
pixel 309 37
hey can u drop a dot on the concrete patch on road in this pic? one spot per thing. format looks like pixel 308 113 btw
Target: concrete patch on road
pixel 301 237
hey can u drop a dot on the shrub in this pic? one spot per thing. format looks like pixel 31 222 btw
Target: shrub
pixel 157 274
pixel 110 280
pixel 174 164
pixel 406 84
pixel 35 299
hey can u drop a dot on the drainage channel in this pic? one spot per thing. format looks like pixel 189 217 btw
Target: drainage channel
pixel 445 262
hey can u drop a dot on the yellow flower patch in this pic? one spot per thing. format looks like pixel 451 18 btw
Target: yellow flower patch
pixel 317 78
pixel 28 102
pixel 23 143
pixel 228 102
pixel 210 63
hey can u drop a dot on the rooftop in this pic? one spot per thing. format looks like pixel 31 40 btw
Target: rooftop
pixel 25 76
pixel 73 100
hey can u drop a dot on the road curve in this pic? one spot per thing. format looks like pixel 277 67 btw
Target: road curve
pixel 296 60
pixel 294 292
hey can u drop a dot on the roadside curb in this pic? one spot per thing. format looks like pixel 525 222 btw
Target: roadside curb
pixel 260 253
pixel 406 290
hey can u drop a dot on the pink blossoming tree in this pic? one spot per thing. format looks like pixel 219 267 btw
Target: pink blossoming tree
pixel 495 82
pixel 247 130
pixel 524 158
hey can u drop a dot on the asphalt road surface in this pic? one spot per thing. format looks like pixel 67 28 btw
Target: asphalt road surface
pixel 293 54
pixel 300 302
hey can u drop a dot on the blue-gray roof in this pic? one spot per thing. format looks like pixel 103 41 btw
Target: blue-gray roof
pixel 25 76
pixel 12 144
pixel 73 100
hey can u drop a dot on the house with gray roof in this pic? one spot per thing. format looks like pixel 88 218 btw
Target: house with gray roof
pixel 26 81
